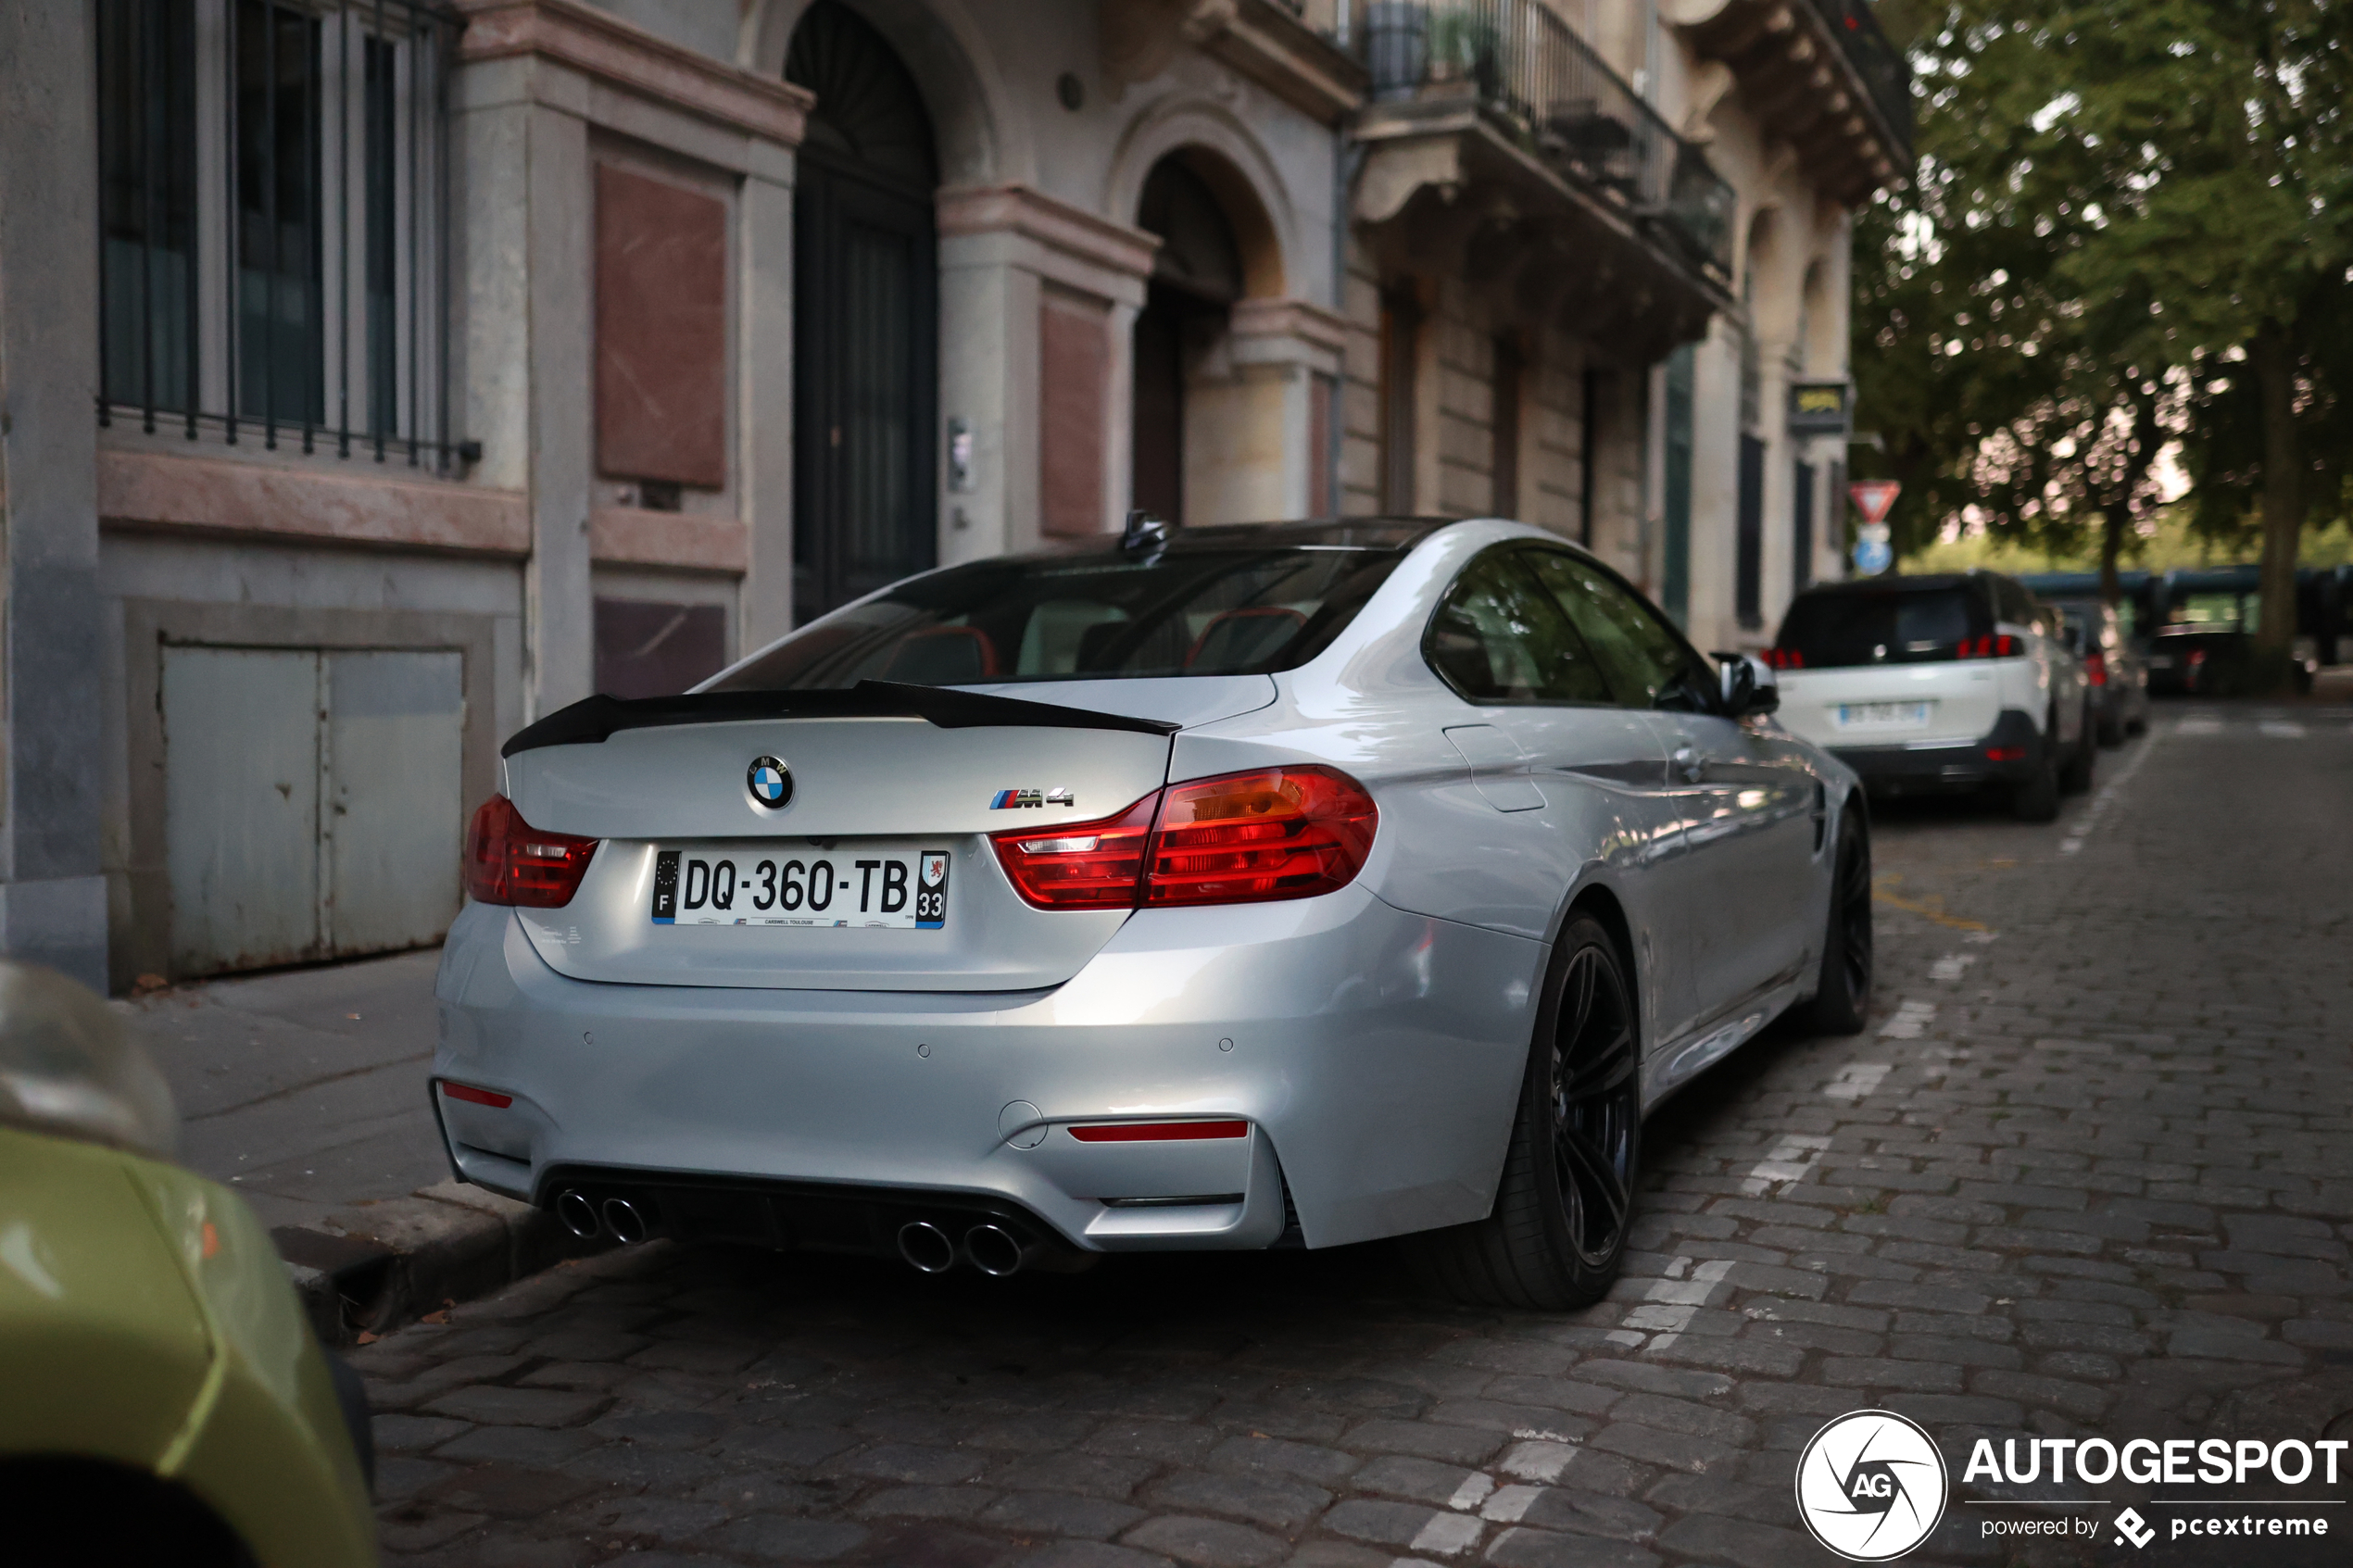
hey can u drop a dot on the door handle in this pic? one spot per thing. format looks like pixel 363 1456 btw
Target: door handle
pixel 1687 763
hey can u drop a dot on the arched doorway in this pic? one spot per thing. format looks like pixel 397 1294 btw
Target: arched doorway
pixel 866 317
pixel 1197 276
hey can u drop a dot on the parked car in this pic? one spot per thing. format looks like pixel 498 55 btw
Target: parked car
pixel 2206 620
pixel 1226 888
pixel 165 1402
pixel 1940 682
pixel 2113 668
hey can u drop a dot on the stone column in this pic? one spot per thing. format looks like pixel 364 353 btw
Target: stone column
pixel 1000 248
pixel 53 897
pixel 764 361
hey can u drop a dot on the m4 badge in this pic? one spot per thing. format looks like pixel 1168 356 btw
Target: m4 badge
pixel 1015 799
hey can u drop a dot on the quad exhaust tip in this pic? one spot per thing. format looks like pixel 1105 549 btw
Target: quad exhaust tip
pixel 578 1213
pixel 622 1218
pixel 995 1250
pixel 926 1247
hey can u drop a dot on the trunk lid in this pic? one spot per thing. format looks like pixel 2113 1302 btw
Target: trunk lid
pixel 863 785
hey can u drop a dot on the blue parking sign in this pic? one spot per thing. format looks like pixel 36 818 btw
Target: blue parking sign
pixel 1873 556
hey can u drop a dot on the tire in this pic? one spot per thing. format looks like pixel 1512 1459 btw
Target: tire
pixel 2077 778
pixel 1555 1238
pixel 2112 727
pixel 1842 990
pixel 2037 799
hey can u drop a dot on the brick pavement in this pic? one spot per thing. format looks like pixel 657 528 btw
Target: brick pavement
pixel 2088 1174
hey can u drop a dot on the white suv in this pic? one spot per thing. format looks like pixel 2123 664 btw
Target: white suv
pixel 1956 681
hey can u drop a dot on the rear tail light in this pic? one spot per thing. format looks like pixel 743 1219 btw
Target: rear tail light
pixel 1240 838
pixel 1785 659
pixel 2096 669
pixel 508 862
pixel 1080 865
pixel 2000 646
pixel 2006 754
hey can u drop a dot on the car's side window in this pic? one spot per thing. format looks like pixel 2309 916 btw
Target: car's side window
pixel 1498 637
pixel 1647 664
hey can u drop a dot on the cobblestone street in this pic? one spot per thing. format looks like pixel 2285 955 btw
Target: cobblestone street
pixel 2087 1173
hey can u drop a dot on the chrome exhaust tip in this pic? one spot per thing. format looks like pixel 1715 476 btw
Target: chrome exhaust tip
pixel 926 1247
pixel 577 1213
pixel 622 1218
pixel 995 1250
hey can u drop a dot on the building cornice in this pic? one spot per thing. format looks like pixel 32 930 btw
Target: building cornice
pixel 604 47
pixel 1260 39
pixel 1033 215
pixel 1795 76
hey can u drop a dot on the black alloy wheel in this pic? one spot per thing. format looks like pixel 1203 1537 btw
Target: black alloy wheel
pixel 1563 1209
pixel 1594 1104
pixel 1843 994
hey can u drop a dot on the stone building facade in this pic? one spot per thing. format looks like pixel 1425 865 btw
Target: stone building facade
pixel 381 377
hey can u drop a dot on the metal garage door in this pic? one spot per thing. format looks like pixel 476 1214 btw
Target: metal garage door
pixel 313 802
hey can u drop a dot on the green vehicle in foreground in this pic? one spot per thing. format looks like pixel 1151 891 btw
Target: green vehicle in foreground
pixel 163 1400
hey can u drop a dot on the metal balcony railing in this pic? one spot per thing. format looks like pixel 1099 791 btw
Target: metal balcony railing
pixel 274 263
pixel 1544 88
pixel 1887 76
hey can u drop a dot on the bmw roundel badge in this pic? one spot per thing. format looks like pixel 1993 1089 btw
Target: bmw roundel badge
pixel 771 782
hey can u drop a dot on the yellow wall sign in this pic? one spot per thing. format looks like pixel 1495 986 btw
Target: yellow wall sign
pixel 1819 407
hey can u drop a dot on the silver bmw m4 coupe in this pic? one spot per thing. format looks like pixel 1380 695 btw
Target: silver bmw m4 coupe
pixel 1221 888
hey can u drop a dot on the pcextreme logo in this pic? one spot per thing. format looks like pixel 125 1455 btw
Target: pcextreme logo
pixel 1871 1486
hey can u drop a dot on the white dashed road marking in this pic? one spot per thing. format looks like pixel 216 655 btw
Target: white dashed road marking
pixel 1951 966
pixel 2081 828
pixel 1856 1080
pixel 1787 1160
pixel 2281 729
pixel 1472 1492
pixel 1910 1021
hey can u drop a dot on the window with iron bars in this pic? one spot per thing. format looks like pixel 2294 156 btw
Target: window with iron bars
pixel 272 225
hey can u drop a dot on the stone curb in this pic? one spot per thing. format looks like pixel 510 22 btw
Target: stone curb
pixel 373 1267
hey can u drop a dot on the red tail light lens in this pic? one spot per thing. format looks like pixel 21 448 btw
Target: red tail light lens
pixel 508 862
pixel 2006 754
pixel 1785 659
pixel 1080 865
pixel 472 1096
pixel 2000 647
pixel 2096 669
pixel 1276 833
pixel 1285 833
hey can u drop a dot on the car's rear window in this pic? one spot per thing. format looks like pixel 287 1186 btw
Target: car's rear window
pixel 1101 615
pixel 1849 626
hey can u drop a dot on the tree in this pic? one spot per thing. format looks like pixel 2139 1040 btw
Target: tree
pixel 2163 186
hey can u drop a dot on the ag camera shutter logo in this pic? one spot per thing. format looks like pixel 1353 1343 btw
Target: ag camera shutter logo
pixel 1871 1486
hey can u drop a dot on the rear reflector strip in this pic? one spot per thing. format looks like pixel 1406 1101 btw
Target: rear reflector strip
pixel 1158 1132
pixel 472 1096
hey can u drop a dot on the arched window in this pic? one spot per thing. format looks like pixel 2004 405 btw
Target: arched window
pixel 1197 276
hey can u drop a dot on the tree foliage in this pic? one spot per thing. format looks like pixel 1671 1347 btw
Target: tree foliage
pixel 2130 229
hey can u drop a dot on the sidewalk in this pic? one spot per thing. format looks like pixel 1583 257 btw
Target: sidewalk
pixel 305 1090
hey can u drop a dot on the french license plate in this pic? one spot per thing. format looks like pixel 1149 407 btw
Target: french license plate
pixel 848 886
pixel 1884 715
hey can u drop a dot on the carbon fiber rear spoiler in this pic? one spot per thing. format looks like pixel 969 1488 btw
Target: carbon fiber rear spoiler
pixel 590 720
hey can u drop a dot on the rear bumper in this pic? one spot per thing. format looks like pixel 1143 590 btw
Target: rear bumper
pixel 1373 1054
pixel 1907 769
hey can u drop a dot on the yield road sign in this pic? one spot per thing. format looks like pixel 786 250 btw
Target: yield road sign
pixel 1874 496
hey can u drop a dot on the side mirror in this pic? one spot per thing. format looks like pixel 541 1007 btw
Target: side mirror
pixel 1749 685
